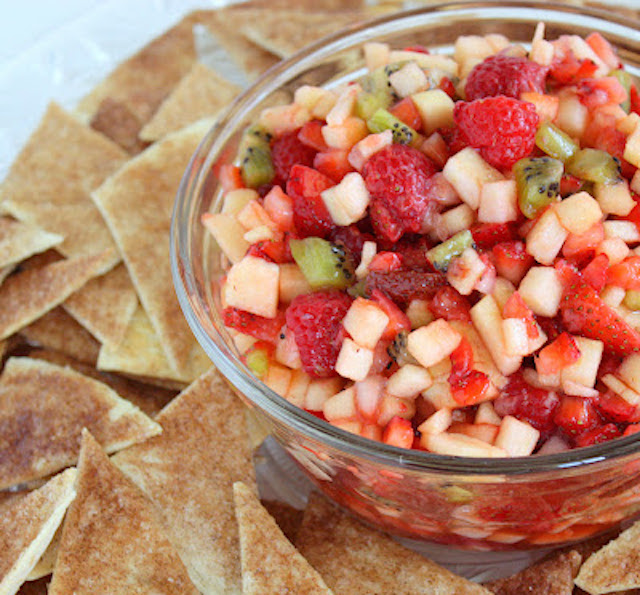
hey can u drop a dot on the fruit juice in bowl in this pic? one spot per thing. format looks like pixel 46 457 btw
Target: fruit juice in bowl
pixel 410 250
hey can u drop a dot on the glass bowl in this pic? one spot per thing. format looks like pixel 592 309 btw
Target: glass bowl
pixel 493 504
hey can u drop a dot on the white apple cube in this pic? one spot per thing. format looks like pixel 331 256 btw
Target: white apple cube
pixel 260 234
pixel 465 271
pixel 236 200
pixel 287 352
pixel 354 361
pixel 278 379
pixel 435 108
pixel 432 343
pixel 573 115
pixel 408 80
pixel 620 388
pixel 454 220
pixel 632 147
pixel 460 445
pixel 298 388
pixel 316 100
pixel 629 371
pixel 545 239
pixel 320 390
pixel 369 250
pixel 344 105
pixel 292 282
pixel 439 395
pixel 347 134
pixel 502 291
pixel 409 381
pixel 281 119
pixel 437 422
pixel 228 234
pixel 541 289
pixel 498 202
pixel 369 392
pixel 253 285
pixel 348 425
pixel 627 231
pixel 253 215
pixel 347 201
pixel 433 62
pixel 616 250
pixel 516 340
pixel 467 172
pixel 486 414
pixel 376 54
pixel 578 390
pixel 612 295
pixel 578 212
pixel 365 321
pixel 368 146
pixel 418 313
pixel 517 438
pixel 391 407
pixel 341 405
pixel 635 181
pixel 614 199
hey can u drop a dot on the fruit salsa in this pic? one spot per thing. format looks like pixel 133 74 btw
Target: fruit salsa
pixel 444 254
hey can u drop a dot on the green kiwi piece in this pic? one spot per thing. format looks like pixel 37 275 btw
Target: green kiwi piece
pixel 398 350
pixel 257 360
pixel 594 165
pixel 377 91
pixel 538 183
pixel 625 79
pixel 441 255
pixel 256 164
pixel 402 134
pixel 555 142
pixel 324 264
pixel 632 299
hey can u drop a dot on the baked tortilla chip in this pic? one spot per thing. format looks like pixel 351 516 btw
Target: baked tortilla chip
pixel 20 240
pixel 27 526
pixel 43 408
pixel 105 305
pixel 553 575
pixel 615 567
pixel 49 183
pixel 137 204
pixel 201 93
pixel 29 294
pixel 188 472
pixel 116 121
pixel 47 561
pixel 270 564
pixel 354 559
pixel 112 542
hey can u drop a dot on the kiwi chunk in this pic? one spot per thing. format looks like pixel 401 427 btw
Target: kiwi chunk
pixel 625 79
pixel 442 255
pixel 632 299
pixel 555 142
pixel 594 165
pixel 538 183
pixel 377 92
pixel 324 264
pixel 402 134
pixel 256 164
pixel 257 360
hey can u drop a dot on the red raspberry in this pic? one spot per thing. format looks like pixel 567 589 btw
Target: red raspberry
pixel 316 322
pixel 505 75
pixel 310 214
pixel 503 128
pixel 287 151
pixel 397 178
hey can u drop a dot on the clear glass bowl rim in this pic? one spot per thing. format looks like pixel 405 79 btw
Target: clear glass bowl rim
pixel 195 308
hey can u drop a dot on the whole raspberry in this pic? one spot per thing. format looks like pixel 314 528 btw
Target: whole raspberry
pixel 505 75
pixel 316 322
pixel 287 151
pixel 503 128
pixel 397 179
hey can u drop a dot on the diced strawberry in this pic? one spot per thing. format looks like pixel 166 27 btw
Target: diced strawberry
pixel 288 150
pixel 274 251
pixel 402 286
pixel 398 432
pixel 265 329
pixel 584 243
pixel 398 320
pixel 576 415
pixel 446 84
pixel 385 262
pixel 570 184
pixel 609 363
pixel 311 135
pixel 625 274
pixel 512 261
pixel 310 214
pixel 552 327
pixel 603 49
pixel 516 307
pixel 407 111
pixel 601 91
pixel 558 354
pixel 566 68
pixel 230 177
pixel 333 163
pixel 613 407
pixel 634 98
pixel 595 273
pixel 584 313
pixel 487 235
pixel 279 207
pixel 414 254
pixel 462 358
pixel 631 429
pixel 447 303
pixel 598 435
pixel 469 388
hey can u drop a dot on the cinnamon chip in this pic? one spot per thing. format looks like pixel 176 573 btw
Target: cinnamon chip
pixel 19 241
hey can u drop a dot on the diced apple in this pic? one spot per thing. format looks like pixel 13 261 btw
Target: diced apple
pixel 573 115
pixel 228 234
pixel 376 54
pixel 465 271
pixel 287 352
pixel 408 80
pixel 353 426
pixel 280 119
pixel 436 109
pixel 409 381
pixel 292 282
pixel 498 202
pixel 502 291
pixel 242 342
pixel 627 231
pixel 629 371
pixel 454 220
pixel 298 388
pixel 279 207
pixel 614 199
pixel 341 405
pixel 260 234
pixel 616 250
pixel 278 379
pixel 344 105
pixel 578 390
pixel 236 200
pixel 432 343
pixel 439 395
pixel 632 147
pixel 460 445
pixel 578 213
pixel 354 361
pixel 346 135
pixel 545 239
pixel 546 105
pixel 488 322
pixel 418 313
pixel 541 289
pixel 485 432
pixel 437 422
pixel 486 414
pixel 316 100
pixel 635 182
pixel 469 50
pixel 369 393
pixel 369 250
pixel 435 148
pixel 442 369
pixel 365 321
pixel 516 340
pixel 253 215
pixel 467 172
pixel 253 285
pixel 613 295
pixel 541 50
pixel 434 62
pixel 391 407
pixel 517 437
pixel 320 390
pixel 347 201
pixel 620 388
pixel 367 147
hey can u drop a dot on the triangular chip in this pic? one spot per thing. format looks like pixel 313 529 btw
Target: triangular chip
pixel 553 575
pixel 201 93
pixel 49 183
pixel 58 331
pixel 615 567
pixel 112 542
pixel 117 122
pixel 43 409
pixel 20 240
pixel 270 564
pixel 105 305
pixel 188 471
pixel 137 203
pixel 355 559
pixel 27 295
pixel 47 561
pixel 28 525
pixel 141 354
